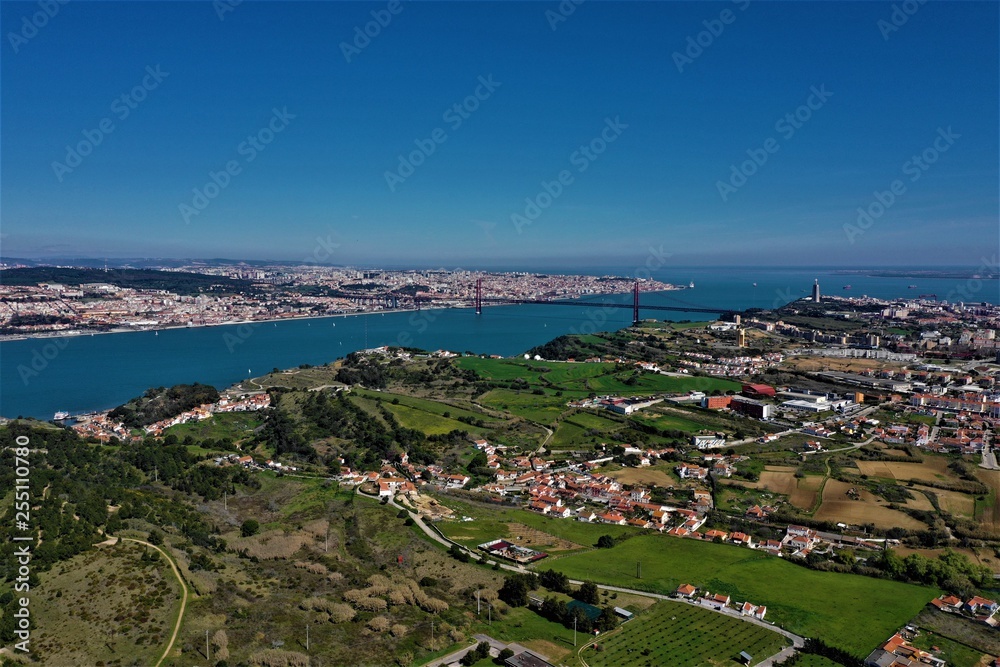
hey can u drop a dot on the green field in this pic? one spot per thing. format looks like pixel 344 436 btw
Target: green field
pixel 428 422
pixel 668 421
pixel 682 635
pixel 599 377
pixel 839 608
pixel 543 409
pixel 595 420
pixel 433 407
pixel 225 425
pixel 491 523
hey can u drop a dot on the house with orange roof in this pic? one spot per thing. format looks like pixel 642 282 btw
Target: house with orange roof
pixel 612 518
pixel 686 590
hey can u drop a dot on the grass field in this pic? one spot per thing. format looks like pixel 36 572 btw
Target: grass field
pixel 666 420
pixel 838 608
pixel 544 409
pixel 595 420
pixel 428 422
pixel 837 506
pixel 598 377
pixel 494 522
pixel 423 404
pixel 226 425
pixel 682 635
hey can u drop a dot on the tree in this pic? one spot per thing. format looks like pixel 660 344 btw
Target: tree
pixel 588 593
pixel 554 581
pixel 504 654
pixel 249 528
pixel 608 620
pixel 155 537
pixel 514 591
pixel 605 542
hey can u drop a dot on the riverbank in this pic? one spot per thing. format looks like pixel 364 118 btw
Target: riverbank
pixel 77 333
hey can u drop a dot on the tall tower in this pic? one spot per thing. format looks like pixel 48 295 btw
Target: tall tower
pixel 815 294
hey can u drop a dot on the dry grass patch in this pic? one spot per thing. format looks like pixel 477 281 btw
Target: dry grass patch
pixel 932 469
pixel 953 502
pixel 837 506
pixel 526 536
pixel 274 544
pixel 643 477
pixel 801 492
pixel 991 517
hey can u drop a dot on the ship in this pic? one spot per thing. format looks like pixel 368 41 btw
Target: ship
pixel 912 286
pixel 847 287
pixel 60 416
pixel 691 285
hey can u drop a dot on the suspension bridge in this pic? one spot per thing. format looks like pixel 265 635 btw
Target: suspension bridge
pixel 479 301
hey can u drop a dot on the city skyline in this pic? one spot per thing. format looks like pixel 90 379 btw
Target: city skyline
pixel 517 135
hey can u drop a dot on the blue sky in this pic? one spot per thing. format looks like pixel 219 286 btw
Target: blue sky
pixel 671 139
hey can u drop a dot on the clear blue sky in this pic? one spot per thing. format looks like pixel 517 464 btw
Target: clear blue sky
pixel 657 183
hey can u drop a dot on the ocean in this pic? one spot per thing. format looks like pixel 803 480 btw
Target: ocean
pixel 85 373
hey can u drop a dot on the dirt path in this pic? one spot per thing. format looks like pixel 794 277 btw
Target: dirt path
pixel 180 580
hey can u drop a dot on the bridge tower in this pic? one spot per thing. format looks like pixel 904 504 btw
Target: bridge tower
pixel 635 304
pixel 479 296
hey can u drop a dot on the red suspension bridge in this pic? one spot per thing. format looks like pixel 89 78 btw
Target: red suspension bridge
pixel 479 300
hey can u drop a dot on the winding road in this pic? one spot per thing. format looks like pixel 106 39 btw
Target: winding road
pixel 184 593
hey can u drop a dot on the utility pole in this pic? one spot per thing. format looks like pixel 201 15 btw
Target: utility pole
pixel 489 608
pixel 638 569
pixel 307 636
pixel 225 500
pixel 207 652
pixel 574 629
pixel 479 606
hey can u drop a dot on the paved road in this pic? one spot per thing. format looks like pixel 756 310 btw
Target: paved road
pixel 495 647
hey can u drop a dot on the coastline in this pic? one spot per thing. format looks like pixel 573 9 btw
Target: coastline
pixel 77 333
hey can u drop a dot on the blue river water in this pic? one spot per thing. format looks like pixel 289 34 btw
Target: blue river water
pixel 84 373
